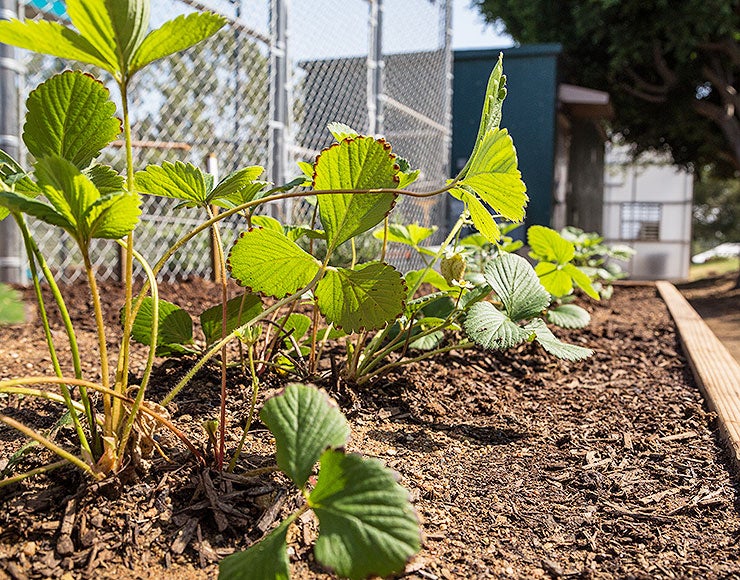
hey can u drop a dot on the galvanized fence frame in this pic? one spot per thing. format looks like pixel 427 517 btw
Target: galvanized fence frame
pixel 261 93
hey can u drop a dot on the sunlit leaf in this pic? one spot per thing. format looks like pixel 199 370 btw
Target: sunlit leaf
pixel 545 337
pixel 367 297
pixel 340 131
pixel 482 218
pixel 581 279
pixel 517 285
pixel 554 279
pixel 175 328
pixel 568 316
pixel 367 526
pixel 359 163
pixel 239 187
pixel 113 216
pixel 70 115
pixel 304 422
pixel 265 560
pixel 239 311
pixel 177 180
pixel 266 261
pixel 549 245
pixel 491 328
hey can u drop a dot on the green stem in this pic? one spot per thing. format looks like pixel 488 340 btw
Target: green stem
pixel 220 344
pixel 51 446
pixel 128 315
pixel 28 241
pixel 253 405
pixel 150 358
pixel 37 471
pixel 390 366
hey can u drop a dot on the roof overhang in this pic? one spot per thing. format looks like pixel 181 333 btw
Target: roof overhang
pixel 583 103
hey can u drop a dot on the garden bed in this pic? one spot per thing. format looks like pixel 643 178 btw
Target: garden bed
pixel 519 465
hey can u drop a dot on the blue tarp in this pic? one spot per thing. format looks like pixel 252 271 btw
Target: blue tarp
pixel 52 7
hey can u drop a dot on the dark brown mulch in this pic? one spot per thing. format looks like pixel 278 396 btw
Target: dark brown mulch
pixel 520 466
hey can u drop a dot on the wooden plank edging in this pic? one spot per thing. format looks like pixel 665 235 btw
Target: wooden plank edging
pixel 716 371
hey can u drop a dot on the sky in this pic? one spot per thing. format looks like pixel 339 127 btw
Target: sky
pixel 470 31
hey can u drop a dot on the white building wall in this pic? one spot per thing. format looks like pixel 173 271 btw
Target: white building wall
pixel 647 206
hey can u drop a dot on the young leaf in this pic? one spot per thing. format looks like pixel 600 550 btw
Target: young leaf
pixel 70 115
pixel 15 178
pixel 517 285
pixel 17 203
pixel 366 298
pixel 581 279
pixel 267 222
pixel 551 344
pixel 549 245
pixel 482 218
pixel 11 306
pixel 175 329
pixel 341 131
pixel 305 423
pixel 113 216
pixel 52 38
pixel 265 560
pixel 266 261
pixel 410 235
pixel 295 325
pixel 176 35
pixel 568 316
pixel 359 163
pixel 239 310
pixel 239 187
pixel 494 176
pixel 105 178
pixel 366 525
pixel 491 328
pixel 554 279
pixel 178 180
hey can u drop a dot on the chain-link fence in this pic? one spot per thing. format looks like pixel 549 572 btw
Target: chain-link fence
pixel 261 92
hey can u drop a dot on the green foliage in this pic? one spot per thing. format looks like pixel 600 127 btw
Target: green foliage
pixel 366 525
pixel 174 330
pixel 11 306
pixel 239 310
pixel 671 68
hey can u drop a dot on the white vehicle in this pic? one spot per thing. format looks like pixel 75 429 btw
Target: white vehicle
pixel 728 250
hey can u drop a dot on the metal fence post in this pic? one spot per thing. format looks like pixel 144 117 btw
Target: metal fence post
pixel 278 95
pixel 11 248
pixel 375 67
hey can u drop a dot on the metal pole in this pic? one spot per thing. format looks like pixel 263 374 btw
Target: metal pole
pixel 278 93
pixel 446 42
pixel 375 68
pixel 11 247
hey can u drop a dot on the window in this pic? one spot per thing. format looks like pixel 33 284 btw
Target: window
pixel 641 221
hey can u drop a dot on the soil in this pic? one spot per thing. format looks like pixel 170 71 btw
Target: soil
pixel 519 465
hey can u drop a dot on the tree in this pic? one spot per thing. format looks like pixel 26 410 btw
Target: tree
pixel 671 67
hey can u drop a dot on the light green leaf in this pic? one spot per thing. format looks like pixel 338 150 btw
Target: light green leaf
pixel 70 115
pixel 11 306
pixel 105 178
pixel 568 316
pixel 367 526
pixel 15 177
pixel 551 344
pixel 341 131
pixel 177 180
pixel 113 216
pixel 432 277
pixel 239 310
pixel 406 178
pixel 93 20
pixel 52 38
pixel 581 279
pixel 359 163
pixel 267 261
pixel 267 222
pixel 516 284
pixel 494 176
pixel 366 298
pixel 239 187
pixel 175 328
pixel 549 245
pixel 265 560
pixel 554 279
pixel 491 328
pixel 305 423
pixel 482 218
pixel 176 35
pixel 68 190
pixel 17 203
pixel 411 234
pixel 295 325
pixel 428 342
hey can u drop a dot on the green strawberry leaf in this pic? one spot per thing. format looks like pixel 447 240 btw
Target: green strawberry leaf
pixel 340 131
pixel 491 328
pixel 239 187
pixel 581 279
pixel 482 218
pixel 11 306
pixel 265 560
pixel 52 38
pixel 549 245
pixel 410 235
pixel 296 325
pixel 105 178
pixel 176 35
pixel 367 526
pixel 70 115
pixel 177 180
pixel 568 316
pixel 17 203
pixel 355 163
pixel 113 216
pixel 493 175
pixel 239 311
pixel 266 261
pixel 551 344
pixel 305 423
pixel 554 279
pixel 366 298
pixel 175 328
pixel 517 285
